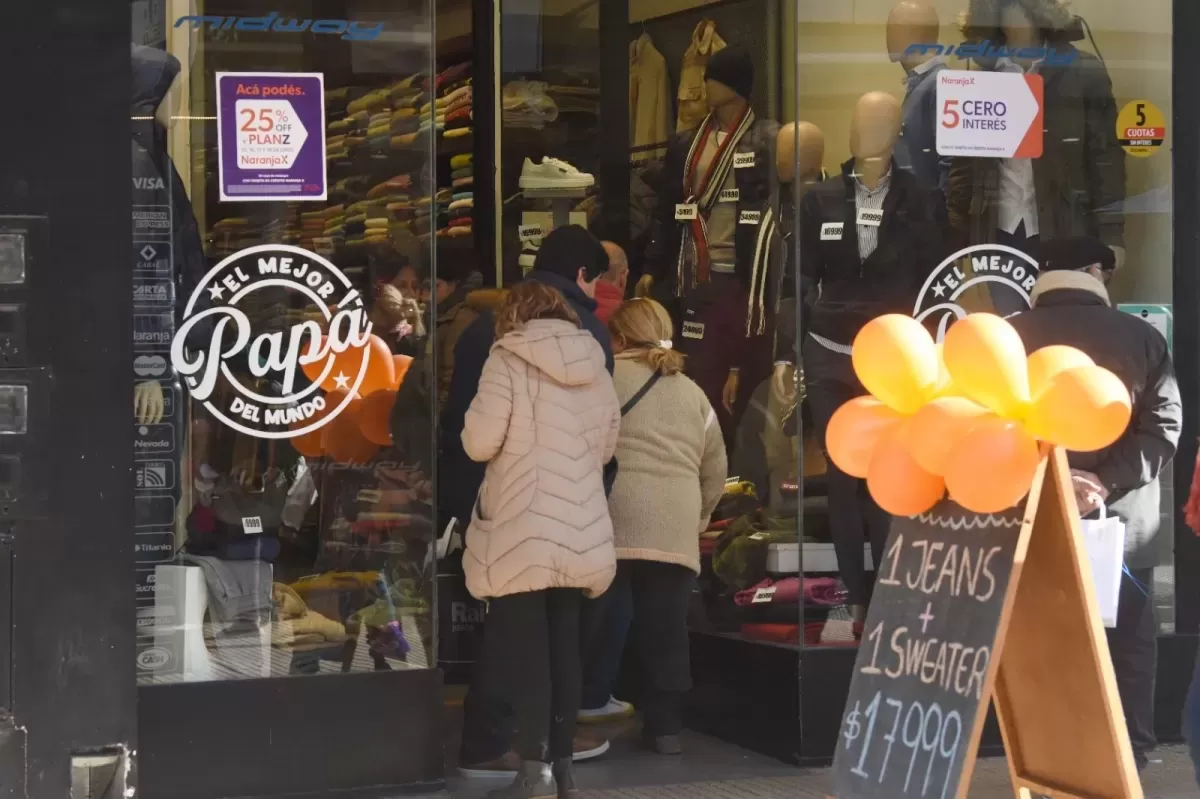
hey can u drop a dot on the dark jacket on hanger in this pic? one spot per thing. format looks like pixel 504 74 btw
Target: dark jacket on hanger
pixel 1080 178
pixel 852 290
pixel 461 476
pixel 1064 313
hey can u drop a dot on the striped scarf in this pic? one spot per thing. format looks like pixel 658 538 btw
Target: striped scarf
pixel 704 194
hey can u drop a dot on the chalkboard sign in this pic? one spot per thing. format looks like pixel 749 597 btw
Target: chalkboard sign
pixel 922 682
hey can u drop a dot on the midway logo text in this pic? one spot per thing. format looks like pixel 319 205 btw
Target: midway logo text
pixel 349 30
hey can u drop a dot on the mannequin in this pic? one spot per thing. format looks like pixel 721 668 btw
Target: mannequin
pixel 916 22
pixel 868 238
pixel 717 230
pixel 1077 186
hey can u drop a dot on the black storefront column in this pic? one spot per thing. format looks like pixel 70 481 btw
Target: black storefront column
pixel 66 553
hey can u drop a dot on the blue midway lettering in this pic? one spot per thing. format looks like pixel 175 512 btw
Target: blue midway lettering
pixel 349 30
pixel 985 49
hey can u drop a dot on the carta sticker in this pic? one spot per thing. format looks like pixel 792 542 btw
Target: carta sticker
pixel 870 217
pixel 743 160
pixel 750 217
pixel 686 212
pixel 693 330
pixel 729 196
pixel 831 231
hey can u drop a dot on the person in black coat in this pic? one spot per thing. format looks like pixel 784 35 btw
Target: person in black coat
pixel 1071 306
pixel 570 260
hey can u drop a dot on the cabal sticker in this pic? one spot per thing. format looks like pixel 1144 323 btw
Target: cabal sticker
pixel 217 345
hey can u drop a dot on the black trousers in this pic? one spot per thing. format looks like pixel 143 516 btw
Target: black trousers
pixel 660 594
pixel 853 515
pixel 1133 644
pixel 531 663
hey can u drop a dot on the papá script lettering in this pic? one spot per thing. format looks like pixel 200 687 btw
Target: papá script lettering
pixel 256 380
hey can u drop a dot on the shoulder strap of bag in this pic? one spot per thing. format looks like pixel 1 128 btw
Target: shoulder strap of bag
pixel 641 392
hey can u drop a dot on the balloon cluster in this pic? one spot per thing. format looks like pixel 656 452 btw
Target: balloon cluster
pixel 965 416
pixel 363 426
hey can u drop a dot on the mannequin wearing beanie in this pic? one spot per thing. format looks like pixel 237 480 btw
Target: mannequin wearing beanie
pixel 716 230
pixel 869 237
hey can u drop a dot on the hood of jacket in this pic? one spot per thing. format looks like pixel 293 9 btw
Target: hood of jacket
pixel 567 354
pixel 448 307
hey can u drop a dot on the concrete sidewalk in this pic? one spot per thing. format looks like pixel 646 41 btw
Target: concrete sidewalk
pixel 714 770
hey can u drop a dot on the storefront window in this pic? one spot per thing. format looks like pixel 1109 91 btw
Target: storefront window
pixel 286 196
pixel 989 134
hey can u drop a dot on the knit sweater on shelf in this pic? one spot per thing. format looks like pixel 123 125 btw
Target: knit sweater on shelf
pixel 671 468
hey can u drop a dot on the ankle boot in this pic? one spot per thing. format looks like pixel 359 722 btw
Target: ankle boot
pixel 564 775
pixel 534 781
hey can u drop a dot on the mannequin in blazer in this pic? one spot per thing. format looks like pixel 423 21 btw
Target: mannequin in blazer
pixel 868 238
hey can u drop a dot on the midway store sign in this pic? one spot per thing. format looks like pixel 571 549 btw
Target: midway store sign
pixel 350 30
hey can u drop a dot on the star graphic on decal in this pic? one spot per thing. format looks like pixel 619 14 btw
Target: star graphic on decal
pixel 939 290
pixel 216 293
pixel 341 380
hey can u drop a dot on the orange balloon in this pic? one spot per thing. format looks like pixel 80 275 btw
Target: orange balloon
pixel 375 417
pixel 342 439
pixel 895 358
pixel 991 468
pixel 309 444
pixel 936 428
pixel 1047 362
pixel 380 367
pixel 897 483
pixel 1083 409
pixel 313 370
pixel 987 362
pixel 945 384
pixel 854 431
pixel 400 369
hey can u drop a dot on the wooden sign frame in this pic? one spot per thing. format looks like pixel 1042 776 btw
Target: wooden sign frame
pixel 1051 677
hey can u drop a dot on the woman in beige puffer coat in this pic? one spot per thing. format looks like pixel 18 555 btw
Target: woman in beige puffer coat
pixel 545 419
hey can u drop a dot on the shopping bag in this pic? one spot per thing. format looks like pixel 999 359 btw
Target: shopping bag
pixel 1104 539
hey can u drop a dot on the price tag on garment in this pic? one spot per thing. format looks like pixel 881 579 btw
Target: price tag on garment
pixel 686 212
pixel 831 231
pixel 750 217
pixel 252 525
pixel 763 595
pixel 729 196
pixel 531 232
pixel 870 217
pixel 693 330
pixel 743 160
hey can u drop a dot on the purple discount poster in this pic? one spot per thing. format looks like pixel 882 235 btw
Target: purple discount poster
pixel 271 136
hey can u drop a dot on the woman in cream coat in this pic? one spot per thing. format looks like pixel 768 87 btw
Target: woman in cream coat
pixel 672 475
pixel 545 420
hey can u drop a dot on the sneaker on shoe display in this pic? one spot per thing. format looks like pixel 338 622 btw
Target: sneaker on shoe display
pixel 553 173
pixel 613 710
pixel 504 767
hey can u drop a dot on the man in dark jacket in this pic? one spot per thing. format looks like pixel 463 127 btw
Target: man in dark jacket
pixel 1071 307
pixel 570 260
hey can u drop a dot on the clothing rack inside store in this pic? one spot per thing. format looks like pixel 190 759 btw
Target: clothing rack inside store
pixel 702 7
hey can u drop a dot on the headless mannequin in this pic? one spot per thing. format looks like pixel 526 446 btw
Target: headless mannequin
pixel 808 170
pixel 911 22
pixel 149 404
pixel 873 133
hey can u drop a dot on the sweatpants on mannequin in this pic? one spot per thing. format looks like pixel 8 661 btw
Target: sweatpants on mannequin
pixel 854 518
pixel 531 660
pixel 1133 645
pixel 713 337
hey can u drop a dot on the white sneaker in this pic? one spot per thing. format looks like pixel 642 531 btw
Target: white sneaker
pixel 615 710
pixel 553 174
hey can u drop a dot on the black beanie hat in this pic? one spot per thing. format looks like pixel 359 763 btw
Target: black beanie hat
pixel 567 249
pixel 732 67
pixel 1076 253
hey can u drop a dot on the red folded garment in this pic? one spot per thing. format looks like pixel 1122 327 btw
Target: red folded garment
pixel 785 591
pixel 775 633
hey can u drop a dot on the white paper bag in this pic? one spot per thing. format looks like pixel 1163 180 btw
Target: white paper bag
pixel 1104 539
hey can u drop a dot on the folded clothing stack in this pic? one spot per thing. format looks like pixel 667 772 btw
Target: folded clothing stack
pixel 461 207
pixel 453 88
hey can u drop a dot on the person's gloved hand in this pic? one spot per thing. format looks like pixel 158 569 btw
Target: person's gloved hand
pixel 149 406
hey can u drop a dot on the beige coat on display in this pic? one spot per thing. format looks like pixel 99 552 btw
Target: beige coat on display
pixel 545 420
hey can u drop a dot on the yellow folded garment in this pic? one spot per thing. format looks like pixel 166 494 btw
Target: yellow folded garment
pixel 460 161
pixel 377 222
pixel 369 101
pixel 457 133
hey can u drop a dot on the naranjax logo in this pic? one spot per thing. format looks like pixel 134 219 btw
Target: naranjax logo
pixel 350 30
pixel 279 354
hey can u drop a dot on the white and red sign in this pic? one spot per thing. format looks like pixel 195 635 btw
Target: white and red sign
pixel 989 114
